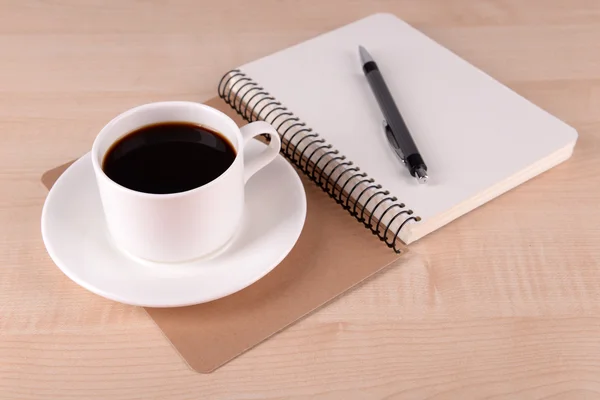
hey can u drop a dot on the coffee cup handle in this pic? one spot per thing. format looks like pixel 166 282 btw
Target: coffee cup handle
pixel 254 129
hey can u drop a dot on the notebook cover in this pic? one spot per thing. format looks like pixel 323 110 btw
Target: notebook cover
pixel 478 137
pixel 333 254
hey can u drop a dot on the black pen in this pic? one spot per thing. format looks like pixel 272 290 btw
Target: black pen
pixel 395 129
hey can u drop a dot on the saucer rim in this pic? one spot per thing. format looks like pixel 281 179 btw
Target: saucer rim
pixel 160 304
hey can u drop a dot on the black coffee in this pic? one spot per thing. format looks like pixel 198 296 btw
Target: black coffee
pixel 168 157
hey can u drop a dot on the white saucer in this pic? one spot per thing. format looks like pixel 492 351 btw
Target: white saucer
pixel 77 240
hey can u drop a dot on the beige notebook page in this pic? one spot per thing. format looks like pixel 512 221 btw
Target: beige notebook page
pixel 478 137
pixel 333 254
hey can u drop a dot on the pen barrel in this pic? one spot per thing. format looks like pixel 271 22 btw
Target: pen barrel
pixel 391 113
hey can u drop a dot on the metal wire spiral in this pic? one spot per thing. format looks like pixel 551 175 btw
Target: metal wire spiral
pixel 313 156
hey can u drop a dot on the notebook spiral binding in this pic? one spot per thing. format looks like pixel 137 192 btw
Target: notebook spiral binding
pixel 332 172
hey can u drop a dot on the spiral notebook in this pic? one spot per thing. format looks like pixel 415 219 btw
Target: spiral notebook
pixel 478 137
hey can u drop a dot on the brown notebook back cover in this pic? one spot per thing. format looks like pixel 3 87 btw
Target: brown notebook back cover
pixel 333 254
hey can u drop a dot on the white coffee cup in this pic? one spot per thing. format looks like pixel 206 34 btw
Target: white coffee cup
pixel 181 226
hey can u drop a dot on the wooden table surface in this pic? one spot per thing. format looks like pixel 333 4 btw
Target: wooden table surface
pixel 503 303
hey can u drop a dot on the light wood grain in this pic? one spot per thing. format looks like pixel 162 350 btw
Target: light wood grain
pixel 502 303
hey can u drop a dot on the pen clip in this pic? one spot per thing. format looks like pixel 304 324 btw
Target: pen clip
pixel 390 137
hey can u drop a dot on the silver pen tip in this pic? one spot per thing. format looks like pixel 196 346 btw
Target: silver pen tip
pixel 365 57
pixel 421 175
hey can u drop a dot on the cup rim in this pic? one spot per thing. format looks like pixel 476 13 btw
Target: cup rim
pixel 100 174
